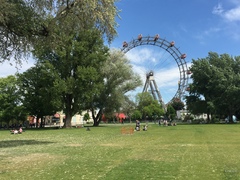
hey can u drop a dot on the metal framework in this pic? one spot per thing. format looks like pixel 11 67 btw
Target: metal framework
pixel 177 56
pixel 150 82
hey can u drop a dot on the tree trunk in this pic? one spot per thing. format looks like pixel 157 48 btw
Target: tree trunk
pixel 69 112
pixel 37 120
pixel 208 118
pixel 96 123
pixel 41 124
pixel 130 119
pixel 230 118
pixel 68 121
pixel 96 119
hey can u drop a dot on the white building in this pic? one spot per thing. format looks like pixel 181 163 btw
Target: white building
pixel 77 119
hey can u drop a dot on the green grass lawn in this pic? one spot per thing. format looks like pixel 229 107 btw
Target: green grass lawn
pixel 205 152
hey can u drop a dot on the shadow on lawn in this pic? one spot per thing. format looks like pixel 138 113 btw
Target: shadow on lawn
pixel 15 143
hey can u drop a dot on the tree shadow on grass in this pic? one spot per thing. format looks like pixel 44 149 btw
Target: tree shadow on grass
pixel 15 143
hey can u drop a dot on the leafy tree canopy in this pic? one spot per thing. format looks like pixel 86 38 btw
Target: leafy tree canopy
pixel 177 104
pixel 118 78
pixel 75 69
pixel 10 100
pixel 148 106
pixel 27 23
pixel 216 80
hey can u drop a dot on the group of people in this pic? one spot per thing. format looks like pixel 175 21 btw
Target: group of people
pixel 162 122
pixel 15 131
pixel 137 128
pixel 166 123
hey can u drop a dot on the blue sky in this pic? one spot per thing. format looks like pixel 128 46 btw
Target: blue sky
pixel 196 26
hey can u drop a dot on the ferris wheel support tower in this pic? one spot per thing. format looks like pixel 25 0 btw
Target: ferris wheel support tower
pixel 151 83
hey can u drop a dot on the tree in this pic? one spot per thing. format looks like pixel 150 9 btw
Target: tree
pixel 171 113
pixel 148 106
pixel 136 114
pixel 26 24
pixel 38 94
pixel 177 104
pixel 75 68
pixel 19 23
pixel 143 99
pixel 128 107
pixel 117 79
pixel 10 101
pixel 196 105
pixel 86 116
pixel 216 79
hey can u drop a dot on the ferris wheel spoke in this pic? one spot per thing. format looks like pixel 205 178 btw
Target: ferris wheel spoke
pixel 166 73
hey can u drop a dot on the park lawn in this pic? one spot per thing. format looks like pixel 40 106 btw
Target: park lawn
pixel 174 152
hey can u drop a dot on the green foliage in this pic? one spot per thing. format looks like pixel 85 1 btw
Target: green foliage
pixel 10 101
pixel 37 90
pixel 19 23
pixel 67 37
pixel 30 24
pixel 117 78
pixel 86 117
pixel 75 68
pixel 143 99
pixel 196 105
pixel 177 104
pixel 216 79
pixel 148 106
pixel 137 115
pixel 171 113
pixel 128 107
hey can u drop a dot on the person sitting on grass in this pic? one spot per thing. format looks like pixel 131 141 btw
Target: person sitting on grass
pixel 137 128
pixel 145 128
pixel 20 131
pixel 14 131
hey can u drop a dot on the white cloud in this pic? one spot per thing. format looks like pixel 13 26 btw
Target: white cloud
pixel 232 14
pixel 142 55
pixel 228 24
pixel 218 9
pixel 168 77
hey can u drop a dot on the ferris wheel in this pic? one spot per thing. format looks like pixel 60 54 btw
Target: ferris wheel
pixel 168 57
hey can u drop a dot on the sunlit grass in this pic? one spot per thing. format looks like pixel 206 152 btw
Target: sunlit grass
pixel 176 152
